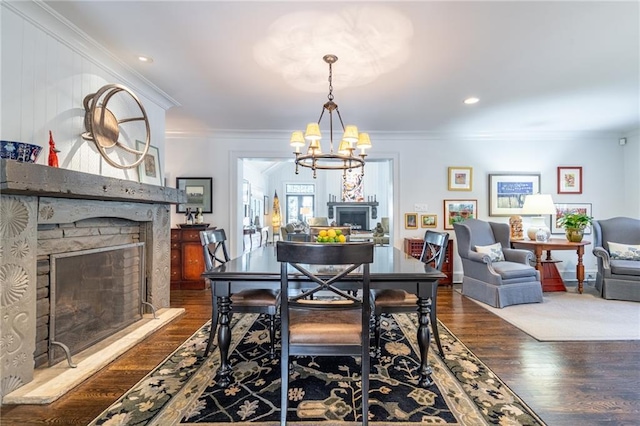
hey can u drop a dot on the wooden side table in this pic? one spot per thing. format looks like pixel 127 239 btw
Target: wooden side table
pixel 547 267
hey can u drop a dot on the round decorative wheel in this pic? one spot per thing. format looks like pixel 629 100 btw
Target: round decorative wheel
pixel 103 128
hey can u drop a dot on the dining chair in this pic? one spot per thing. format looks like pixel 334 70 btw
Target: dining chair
pixel 334 322
pixel 261 301
pixel 397 301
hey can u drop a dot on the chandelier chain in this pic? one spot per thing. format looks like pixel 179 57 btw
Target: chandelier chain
pixel 330 95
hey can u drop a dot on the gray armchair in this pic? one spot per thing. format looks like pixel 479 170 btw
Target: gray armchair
pixel 497 283
pixel 616 278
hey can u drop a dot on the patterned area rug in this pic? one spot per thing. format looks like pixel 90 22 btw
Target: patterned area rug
pixel 182 390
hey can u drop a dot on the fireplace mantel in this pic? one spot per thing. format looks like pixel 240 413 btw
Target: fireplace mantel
pixel 18 178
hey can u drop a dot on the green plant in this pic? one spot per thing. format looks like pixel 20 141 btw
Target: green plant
pixel 575 221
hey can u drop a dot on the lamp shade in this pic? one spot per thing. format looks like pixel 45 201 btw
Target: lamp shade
pixel 350 133
pixel 314 147
pixel 313 132
pixel 297 139
pixel 537 204
pixel 364 141
pixel 344 148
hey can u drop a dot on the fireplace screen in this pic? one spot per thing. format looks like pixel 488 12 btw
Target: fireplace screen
pixel 94 294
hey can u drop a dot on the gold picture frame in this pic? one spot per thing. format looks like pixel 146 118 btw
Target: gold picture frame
pixel 411 221
pixel 429 220
pixel 460 178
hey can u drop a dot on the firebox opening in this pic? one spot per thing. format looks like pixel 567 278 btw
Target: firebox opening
pixel 94 294
pixel 356 218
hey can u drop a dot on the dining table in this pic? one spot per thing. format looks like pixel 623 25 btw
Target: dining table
pixel 259 268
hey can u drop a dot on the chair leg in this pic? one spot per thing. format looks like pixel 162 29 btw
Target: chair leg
pixel 284 388
pixel 366 361
pixel 272 335
pixel 214 324
pixel 377 333
pixel 434 329
pixel 434 320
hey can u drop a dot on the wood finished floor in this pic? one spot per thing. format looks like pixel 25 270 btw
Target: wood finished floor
pixel 565 383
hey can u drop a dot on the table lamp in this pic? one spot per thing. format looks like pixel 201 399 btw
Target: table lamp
pixel 538 205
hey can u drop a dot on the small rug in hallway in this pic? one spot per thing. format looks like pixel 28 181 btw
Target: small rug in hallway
pixel 182 390
pixel 569 316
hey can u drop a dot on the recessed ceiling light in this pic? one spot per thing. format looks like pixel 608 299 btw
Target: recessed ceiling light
pixel 471 101
pixel 146 59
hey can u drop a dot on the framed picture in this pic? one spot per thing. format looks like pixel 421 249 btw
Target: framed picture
pixel 429 220
pixel 507 192
pixel 460 178
pixel 569 180
pixel 199 194
pixel 411 220
pixel 564 208
pixel 265 206
pixel 458 211
pixel 149 170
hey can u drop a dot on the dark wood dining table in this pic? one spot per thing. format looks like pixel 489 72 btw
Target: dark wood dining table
pixel 391 268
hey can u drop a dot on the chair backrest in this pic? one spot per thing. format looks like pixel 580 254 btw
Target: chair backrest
pixel 623 230
pixel 434 250
pixel 214 247
pixel 318 221
pixel 474 232
pixel 324 265
pixel 385 224
pixel 299 236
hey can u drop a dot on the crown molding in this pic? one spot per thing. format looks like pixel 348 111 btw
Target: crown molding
pixel 59 28
pixel 506 136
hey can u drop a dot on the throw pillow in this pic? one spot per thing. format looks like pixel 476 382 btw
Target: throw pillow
pixel 494 251
pixel 624 251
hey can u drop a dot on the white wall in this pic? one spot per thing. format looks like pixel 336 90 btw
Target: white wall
pixel 48 68
pixel 421 172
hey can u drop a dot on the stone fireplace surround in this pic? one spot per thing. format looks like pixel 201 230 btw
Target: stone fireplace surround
pixel 39 203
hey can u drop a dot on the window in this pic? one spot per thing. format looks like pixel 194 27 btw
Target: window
pixel 300 202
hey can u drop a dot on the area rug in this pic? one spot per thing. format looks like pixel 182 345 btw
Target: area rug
pixel 569 316
pixel 182 389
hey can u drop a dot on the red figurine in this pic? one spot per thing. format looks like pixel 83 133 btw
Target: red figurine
pixel 53 152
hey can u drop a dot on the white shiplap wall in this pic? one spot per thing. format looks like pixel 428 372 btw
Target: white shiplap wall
pixel 48 67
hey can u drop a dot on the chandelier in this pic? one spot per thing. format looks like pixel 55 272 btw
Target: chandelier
pixel 345 157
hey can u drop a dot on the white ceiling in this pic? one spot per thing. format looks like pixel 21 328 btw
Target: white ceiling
pixel 536 66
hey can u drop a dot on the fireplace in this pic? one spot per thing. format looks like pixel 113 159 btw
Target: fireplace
pixel 46 212
pixel 355 217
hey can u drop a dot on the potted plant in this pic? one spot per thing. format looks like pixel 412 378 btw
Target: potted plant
pixel 574 225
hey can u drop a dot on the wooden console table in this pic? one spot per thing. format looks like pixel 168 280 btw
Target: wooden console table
pixel 551 279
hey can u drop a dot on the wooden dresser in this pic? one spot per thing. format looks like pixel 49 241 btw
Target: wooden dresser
pixel 413 247
pixel 187 261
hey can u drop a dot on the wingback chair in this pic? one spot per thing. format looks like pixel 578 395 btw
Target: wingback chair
pixel 503 277
pixel 618 273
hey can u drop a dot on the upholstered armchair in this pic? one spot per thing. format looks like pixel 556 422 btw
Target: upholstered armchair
pixel 616 243
pixel 496 275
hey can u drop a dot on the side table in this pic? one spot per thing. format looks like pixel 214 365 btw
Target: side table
pixel 548 271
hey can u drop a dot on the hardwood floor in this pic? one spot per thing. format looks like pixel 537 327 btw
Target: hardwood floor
pixel 565 383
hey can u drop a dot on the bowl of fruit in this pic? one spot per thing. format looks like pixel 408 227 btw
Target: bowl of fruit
pixel 331 235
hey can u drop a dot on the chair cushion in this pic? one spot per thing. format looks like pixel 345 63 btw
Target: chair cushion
pixel 624 251
pixel 625 267
pixel 512 270
pixel 257 297
pixel 494 251
pixel 317 327
pixel 389 297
